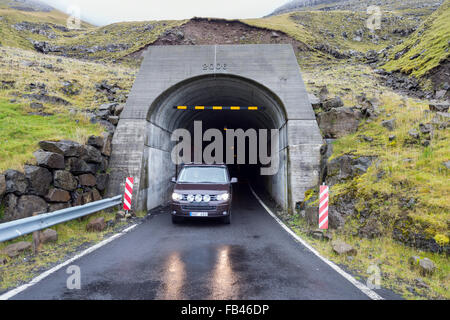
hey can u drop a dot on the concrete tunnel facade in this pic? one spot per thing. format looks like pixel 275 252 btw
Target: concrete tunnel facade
pixel 267 76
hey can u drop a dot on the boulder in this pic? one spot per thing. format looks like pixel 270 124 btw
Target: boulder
pixel 58 206
pixel 58 195
pixel 439 107
pixel 96 142
pixel 446 164
pixel 389 124
pixel 120 215
pixel 96 195
pixel 64 180
pixel 9 203
pixel 49 160
pixel 16 182
pixel 3 186
pixel 118 110
pixel 91 155
pixel 48 235
pixel 102 181
pixel 342 248
pixel 66 148
pixel 312 215
pixel 323 93
pixel 315 102
pixel 424 265
pixel 370 230
pixel 335 219
pixel 87 197
pixel 28 205
pixel 339 122
pixel 316 234
pixel 13 250
pixel 345 167
pixel 425 128
pixel 87 180
pixel 96 225
pixel 107 146
pixel 77 198
pixel 413 134
pixel 39 180
pixel 332 103
pixel 78 166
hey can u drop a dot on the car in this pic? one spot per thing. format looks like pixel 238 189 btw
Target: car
pixel 202 191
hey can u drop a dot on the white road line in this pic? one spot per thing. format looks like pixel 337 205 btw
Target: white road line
pixel 366 290
pixel 13 292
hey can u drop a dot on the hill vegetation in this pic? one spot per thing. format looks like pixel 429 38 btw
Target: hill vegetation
pixel 51 79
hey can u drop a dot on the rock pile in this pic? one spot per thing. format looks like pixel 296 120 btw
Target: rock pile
pixel 65 174
pixel 334 119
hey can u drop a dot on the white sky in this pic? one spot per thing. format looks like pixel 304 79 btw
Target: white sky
pixel 101 12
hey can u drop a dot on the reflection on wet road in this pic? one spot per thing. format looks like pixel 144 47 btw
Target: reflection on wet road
pixel 253 258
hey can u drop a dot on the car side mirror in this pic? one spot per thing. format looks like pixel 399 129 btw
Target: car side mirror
pixel 234 180
pixel 174 180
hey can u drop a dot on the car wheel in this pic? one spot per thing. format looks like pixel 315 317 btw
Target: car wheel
pixel 227 219
pixel 176 220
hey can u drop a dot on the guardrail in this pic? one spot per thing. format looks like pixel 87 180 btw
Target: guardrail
pixel 17 228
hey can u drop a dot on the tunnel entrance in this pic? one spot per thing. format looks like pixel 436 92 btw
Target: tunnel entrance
pixel 226 103
pixel 258 87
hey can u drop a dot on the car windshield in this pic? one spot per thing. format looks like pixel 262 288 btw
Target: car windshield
pixel 203 175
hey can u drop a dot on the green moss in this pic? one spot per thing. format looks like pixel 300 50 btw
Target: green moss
pixel 429 44
pixel 441 239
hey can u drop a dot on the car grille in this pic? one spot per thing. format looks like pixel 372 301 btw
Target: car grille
pixel 198 208
pixel 213 197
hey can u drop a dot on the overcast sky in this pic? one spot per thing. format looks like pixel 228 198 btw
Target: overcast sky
pixel 101 12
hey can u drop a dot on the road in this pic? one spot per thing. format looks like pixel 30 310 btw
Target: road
pixel 253 258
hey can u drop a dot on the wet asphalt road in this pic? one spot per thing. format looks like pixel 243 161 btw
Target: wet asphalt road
pixel 253 258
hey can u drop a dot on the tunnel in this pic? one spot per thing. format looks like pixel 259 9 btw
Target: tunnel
pixel 264 86
pixel 218 90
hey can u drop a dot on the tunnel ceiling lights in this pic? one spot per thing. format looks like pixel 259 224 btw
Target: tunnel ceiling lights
pixel 233 108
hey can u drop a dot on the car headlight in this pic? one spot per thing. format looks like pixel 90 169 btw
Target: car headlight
pixel 223 197
pixel 206 198
pixel 176 196
pixel 190 198
pixel 198 198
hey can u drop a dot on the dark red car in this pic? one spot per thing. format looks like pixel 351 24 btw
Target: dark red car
pixel 202 191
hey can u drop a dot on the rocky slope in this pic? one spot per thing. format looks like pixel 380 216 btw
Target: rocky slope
pixel 387 154
pixel 355 5
pixel 425 54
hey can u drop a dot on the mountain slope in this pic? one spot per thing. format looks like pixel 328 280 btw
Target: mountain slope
pixel 356 5
pixel 427 50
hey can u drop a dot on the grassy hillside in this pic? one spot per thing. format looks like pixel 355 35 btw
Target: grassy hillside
pixel 28 73
pixel 426 48
pixel 337 28
pixel 47 21
pixel 402 171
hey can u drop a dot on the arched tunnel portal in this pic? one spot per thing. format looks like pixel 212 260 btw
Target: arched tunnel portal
pixel 248 87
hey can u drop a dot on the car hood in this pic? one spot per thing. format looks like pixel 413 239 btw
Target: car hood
pixel 201 188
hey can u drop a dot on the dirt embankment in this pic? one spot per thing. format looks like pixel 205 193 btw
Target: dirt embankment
pixel 203 31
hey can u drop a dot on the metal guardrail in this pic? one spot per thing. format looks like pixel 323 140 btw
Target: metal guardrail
pixel 17 228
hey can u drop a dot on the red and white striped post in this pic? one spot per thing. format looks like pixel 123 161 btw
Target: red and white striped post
pixel 323 208
pixel 128 194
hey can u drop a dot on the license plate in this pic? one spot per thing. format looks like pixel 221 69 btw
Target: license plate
pixel 198 214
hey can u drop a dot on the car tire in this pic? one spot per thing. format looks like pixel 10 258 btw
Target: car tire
pixel 176 220
pixel 227 219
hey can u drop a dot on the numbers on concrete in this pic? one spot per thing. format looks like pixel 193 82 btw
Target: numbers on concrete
pixel 218 67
